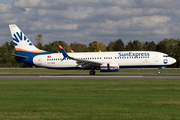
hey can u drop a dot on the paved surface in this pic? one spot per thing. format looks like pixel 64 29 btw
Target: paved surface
pixel 90 77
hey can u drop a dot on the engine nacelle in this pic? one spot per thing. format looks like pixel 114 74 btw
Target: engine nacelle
pixel 110 67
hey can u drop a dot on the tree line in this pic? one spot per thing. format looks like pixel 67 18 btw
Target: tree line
pixel 168 46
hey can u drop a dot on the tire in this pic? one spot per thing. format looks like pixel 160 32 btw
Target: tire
pixel 92 72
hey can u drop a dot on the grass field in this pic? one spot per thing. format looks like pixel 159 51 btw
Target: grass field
pixel 86 72
pixel 89 99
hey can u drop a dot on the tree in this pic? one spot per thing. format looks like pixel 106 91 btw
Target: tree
pixel 77 47
pixel 129 46
pixel 8 61
pixel 4 59
pixel 168 46
pixel 96 46
pixel 39 40
pixel 11 47
pixel 137 45
pixel 118 45
pixel 177 56
pixel 110 46
pixel 149 46
pixel 162 46
pixel 54 48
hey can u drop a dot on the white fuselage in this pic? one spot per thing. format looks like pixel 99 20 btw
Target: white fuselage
pixel 122 58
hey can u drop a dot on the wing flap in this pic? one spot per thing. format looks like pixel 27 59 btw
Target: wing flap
pixel 87 63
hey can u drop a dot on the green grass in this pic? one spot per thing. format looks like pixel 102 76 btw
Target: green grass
pixel 86 72
pixel 89 99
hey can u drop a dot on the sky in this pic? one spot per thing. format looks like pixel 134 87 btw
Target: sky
pixel 84 21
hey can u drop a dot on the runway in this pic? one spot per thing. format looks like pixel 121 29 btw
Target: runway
pixel 111 77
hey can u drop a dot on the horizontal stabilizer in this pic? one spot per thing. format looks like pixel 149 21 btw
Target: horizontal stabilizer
pixel 17 56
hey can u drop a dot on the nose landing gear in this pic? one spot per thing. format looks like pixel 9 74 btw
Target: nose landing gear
pixel 159 72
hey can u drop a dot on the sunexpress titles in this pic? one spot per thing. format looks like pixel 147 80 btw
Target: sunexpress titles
pixel 132 54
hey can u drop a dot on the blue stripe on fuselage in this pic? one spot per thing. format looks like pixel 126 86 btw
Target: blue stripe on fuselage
pixel 30 56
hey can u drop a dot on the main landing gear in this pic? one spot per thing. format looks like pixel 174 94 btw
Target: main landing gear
pixel 92 72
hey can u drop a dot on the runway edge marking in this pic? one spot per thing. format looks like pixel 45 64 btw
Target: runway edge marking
pixel 93 76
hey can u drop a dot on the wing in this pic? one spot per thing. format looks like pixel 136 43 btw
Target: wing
pixel 81 62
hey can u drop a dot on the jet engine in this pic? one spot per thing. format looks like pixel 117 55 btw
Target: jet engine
pixel 110 67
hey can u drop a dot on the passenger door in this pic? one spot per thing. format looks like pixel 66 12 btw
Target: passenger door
pixel 156 57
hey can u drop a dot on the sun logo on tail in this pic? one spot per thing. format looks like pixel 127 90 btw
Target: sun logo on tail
pixel 21 38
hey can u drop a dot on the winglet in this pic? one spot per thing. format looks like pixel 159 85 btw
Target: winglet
pixel 60 47
pixel 72 51
pixel 63 52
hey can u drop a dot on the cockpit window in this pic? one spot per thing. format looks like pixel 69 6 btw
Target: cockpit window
pixel 165 56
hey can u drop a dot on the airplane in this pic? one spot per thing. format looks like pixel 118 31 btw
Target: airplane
pixel 103 61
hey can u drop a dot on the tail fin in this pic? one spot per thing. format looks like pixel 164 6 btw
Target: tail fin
pixel 21 42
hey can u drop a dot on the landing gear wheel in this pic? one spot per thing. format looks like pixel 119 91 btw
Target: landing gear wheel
pixel 92 72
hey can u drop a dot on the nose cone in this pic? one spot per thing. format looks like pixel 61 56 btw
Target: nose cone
pixel 173 61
